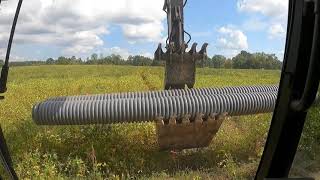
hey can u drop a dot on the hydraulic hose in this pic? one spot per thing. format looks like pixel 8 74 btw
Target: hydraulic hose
pixel 148 109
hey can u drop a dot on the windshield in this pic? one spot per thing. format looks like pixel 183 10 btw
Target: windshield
pixel 63 49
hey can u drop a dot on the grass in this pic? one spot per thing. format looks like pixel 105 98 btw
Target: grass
pixel 128 150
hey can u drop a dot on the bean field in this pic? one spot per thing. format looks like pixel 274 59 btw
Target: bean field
pixel 130 151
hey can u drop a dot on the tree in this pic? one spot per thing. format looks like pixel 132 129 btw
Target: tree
pixel 240 61
pixel 80 61
pixel 94 56
pixel 63 60
pixel 116 59
pixel 73 58
pixel 228 64
pixel 217 61
pixel 245 60
pixel 50 61
pixel 93 59
pixel 139 60
pixel 101 56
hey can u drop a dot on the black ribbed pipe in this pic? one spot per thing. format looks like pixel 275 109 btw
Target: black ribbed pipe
pixel 148 109
pixel 175 92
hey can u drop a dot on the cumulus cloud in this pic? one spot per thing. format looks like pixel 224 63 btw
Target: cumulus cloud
pixel 124 53
pixel 275 13
pixel 232 39
pixel 254 24
pixel 272 8
pixel 147 32
pixel 79 27
pixel 276 31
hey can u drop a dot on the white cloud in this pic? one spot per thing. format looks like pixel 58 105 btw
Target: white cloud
pixel 275 13
pixel 124 53
pixel 254 24
pixel 272 8
pixel 276 31
pixel 150 32
pixel 231 41
pixel 78 27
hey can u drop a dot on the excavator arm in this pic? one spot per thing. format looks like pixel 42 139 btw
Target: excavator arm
pixel 180 66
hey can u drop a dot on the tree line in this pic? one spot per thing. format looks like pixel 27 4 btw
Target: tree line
pixel 112 59
pixel 244 60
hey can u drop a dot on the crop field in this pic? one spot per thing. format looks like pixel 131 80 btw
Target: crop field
pixel 130 150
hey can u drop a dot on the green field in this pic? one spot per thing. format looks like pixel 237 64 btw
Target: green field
pixel 128 150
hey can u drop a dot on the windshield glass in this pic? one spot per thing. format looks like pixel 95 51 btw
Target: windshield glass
pixel 70 48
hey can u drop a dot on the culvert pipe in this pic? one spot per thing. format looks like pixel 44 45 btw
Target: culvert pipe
pixel 125 110
pixel 174 92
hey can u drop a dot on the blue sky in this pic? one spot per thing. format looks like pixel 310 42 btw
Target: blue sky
pixel 51 28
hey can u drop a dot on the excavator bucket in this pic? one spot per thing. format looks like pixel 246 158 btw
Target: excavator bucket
pixel 186 134
pixel 180 70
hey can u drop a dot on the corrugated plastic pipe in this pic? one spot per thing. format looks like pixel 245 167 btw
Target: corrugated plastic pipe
pixel 148 109
pixel 175 92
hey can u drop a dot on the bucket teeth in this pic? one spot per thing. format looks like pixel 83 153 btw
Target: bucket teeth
pixel 203 50
pixel 199 118
pixel 188 133
pixel 180 65
pixel 193 49
pixel 158 55
pixel 173 120
pixel 185 119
